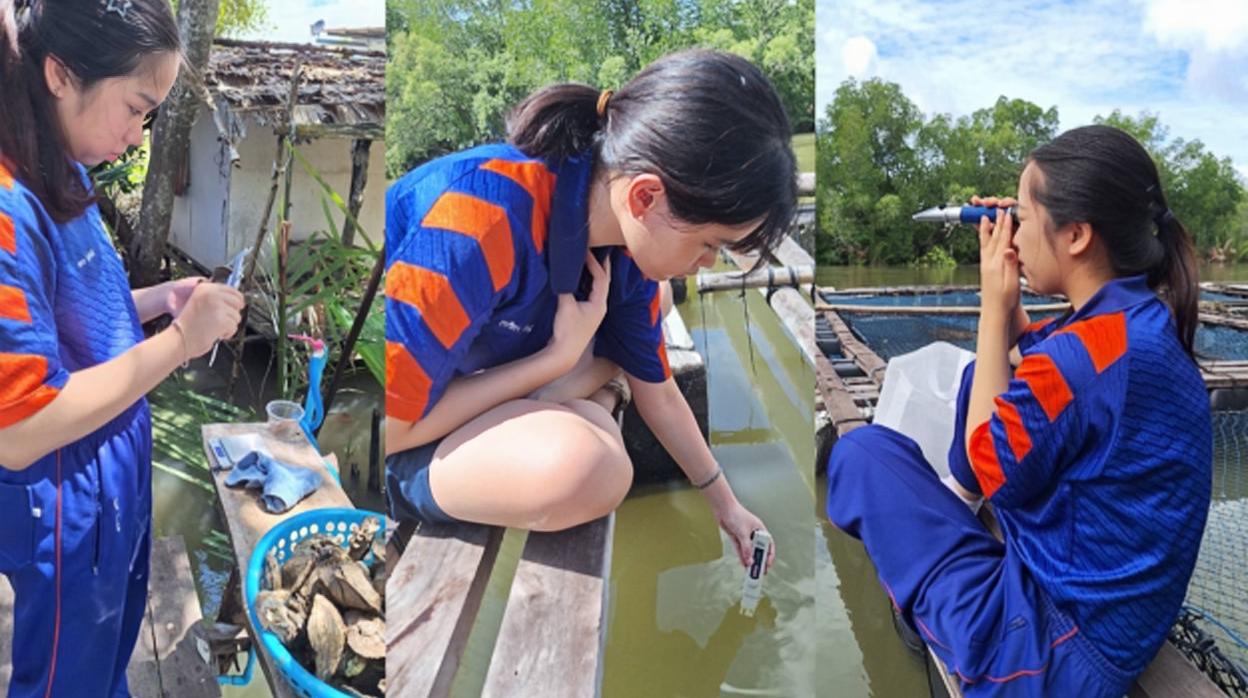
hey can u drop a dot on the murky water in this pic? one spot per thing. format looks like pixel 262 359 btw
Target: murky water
pixel 188 509
pixel 673 624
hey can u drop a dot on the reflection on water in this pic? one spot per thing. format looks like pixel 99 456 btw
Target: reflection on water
pixel 674 628
pixel 860 654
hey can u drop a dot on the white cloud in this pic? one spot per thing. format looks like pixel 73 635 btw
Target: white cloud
pixel 291 20
pixel 859 57
pixel 1185 60
pixel 1216 25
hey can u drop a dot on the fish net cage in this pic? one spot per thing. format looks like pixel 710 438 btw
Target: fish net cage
pixel 1217 598
pixel 891 335
pixel 1213 628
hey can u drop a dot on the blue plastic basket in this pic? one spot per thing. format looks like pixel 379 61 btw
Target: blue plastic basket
pixel 338 523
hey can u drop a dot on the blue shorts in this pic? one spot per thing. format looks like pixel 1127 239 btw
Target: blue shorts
pixel 969 596
pixel 408 495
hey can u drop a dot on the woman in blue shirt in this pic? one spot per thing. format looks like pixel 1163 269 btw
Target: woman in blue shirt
pixel 1095 451
pixel 79 79
pixel 524 276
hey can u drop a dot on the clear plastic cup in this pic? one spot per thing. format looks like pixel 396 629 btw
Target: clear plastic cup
pixel 284 417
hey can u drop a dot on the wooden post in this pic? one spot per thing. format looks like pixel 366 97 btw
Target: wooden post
pixel 348 347
pixel 374 452
pixel 171 137
pixel 281 162
pixel 359 178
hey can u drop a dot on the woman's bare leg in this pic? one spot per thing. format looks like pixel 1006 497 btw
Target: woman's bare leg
pixel 533 464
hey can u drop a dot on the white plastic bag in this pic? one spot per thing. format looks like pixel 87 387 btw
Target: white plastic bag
pixel 919 398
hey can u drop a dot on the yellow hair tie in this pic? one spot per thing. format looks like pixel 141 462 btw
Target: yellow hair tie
pixel 602 102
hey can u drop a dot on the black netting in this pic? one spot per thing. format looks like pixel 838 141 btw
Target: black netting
pixel 1219 588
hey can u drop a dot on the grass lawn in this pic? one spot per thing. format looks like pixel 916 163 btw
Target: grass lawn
pixel 804 148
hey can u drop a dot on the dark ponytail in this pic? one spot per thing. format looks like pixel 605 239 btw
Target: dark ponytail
pixel 709 124
pixel 94 40
pixel 1104 177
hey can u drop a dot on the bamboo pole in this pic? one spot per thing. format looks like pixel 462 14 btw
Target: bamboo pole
pixel 767 277
pixel 822 306
pixel 281 162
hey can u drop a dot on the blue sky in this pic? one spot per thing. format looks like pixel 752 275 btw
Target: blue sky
pixel 1185 60
pixel 291 20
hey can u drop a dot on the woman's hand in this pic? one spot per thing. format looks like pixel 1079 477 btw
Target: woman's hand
pixel 577 321
pixel 177 293
pixel 211 312
pixel 1000 290
pixel 740 524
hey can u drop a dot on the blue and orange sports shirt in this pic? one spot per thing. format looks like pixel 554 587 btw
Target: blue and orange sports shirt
pixel 65 302
pixel 479 243
pixel 1098 461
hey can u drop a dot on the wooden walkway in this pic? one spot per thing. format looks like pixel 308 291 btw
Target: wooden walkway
pixel 247 521
pixel 166 662
pixel 551 640
pixel 849 396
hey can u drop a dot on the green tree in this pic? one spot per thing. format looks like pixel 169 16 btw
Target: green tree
pixel 1203 190
pixel 507 50
pixel 879 161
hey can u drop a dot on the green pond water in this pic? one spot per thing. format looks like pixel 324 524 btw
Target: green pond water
pixel 673 624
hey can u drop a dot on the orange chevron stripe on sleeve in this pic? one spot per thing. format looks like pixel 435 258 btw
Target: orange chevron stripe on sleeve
pixel 22 390
pixel 1104 336
pixel 8 235
pixel 1038 324
pixel 13 304
pixel 983 457
pixel 1046 383
pixel 6 177
pixel 431 294
pixel 656 305
pixel 667 368
pixel 407 384
pixel 539 182
pixel 1015 431
pixel 482 221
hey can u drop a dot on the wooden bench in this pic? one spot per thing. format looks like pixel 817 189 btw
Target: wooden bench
pixel 551 639
pixel 247 521
pixel 166 662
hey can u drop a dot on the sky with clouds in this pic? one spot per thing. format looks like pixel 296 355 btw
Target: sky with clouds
pixel 291 20
pixel 1185 60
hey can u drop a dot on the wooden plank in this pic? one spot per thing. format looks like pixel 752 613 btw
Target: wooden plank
pixel 837 399
pixel 6 631
pixel 1170 675
pixel 1225 320
pixel 165 663
pixel 247 520
pixel 552 636
pixel 867 360
pixel 166 647
pixel 823 306
pixel 433 595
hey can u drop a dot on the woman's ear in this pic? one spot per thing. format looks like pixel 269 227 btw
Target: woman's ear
pixel 57 76
pixel 1079 238
pixel 645 191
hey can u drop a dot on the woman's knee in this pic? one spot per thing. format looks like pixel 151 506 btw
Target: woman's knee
pixel 589 476
pixel 851 449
